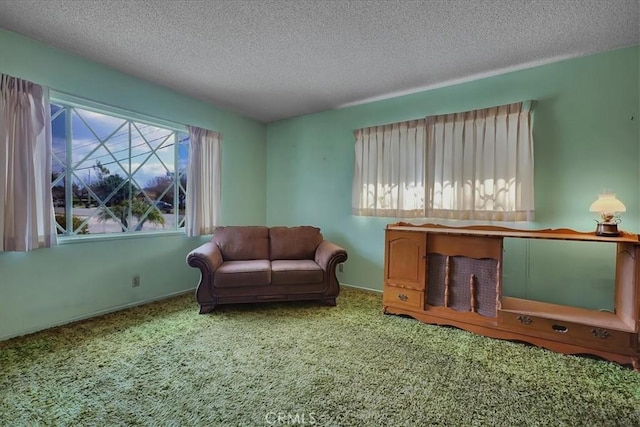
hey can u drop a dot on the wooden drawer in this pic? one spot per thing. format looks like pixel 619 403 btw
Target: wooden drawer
pixel 568 332
pixel 401 297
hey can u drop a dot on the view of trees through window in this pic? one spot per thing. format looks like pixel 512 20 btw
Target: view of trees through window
pixel 114 175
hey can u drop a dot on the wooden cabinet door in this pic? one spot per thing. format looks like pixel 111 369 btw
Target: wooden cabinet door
pixel 405 259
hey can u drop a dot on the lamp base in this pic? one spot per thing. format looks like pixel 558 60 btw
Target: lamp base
pixel 606 229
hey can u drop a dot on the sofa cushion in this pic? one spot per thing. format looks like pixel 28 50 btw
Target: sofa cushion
pixel 243 273
pixel 302 271
pixel 294 242
pixel 240 243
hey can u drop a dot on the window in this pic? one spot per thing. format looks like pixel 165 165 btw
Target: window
pixel 389 175
pixel 111 174
pixel 480 164
pixel 476 165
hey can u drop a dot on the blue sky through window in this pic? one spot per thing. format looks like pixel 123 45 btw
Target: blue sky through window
pixel 112 141
pixel 142 159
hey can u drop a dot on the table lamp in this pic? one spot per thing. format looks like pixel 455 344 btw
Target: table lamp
pixel 608 207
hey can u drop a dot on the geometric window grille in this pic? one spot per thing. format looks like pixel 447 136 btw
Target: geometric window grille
pixel 111 174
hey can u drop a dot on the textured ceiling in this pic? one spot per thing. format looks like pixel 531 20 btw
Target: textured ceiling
pixel 271 59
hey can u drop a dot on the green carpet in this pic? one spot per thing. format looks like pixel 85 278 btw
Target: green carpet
pixel 298 364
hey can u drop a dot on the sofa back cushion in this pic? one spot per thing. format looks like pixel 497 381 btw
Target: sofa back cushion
pixel 241 243
pixel 294 242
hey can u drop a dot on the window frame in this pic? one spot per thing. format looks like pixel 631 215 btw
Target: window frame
pixel 69 102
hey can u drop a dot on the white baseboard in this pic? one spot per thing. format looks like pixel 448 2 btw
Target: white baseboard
pixel 131 305
pixel 375 291
pixel 94 314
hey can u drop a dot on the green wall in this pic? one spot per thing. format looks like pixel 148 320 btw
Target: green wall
pixel 71 281
pixel 585 140
pixel 586 137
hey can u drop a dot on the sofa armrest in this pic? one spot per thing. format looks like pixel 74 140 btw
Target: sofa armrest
pixel 207 257
pixel 328 255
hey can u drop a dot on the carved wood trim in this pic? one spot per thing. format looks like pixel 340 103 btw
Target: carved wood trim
pixel 472 291
pixel 447 279
pixel 498 286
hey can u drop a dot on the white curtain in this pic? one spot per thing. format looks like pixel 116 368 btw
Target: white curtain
pixel 26 208
pixel 480 164
pixel 389 175
pixel 203 181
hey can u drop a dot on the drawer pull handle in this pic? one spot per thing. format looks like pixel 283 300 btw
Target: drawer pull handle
pixel 600 333
pixel 525 319
pixel 560 329
pixel 403 297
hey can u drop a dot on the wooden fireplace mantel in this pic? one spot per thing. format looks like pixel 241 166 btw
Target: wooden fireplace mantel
pixel 453 276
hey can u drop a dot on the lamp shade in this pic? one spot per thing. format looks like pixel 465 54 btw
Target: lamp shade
pixel 607 203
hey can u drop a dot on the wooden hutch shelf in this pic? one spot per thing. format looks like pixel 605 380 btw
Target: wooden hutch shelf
pixel 453 276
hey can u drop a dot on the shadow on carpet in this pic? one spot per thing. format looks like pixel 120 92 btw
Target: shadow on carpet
pixel 298 364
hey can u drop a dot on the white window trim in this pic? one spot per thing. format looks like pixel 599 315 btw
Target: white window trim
pixel 98 107
pixel 70 100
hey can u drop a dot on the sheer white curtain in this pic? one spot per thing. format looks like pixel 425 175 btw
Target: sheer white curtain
pixel 26 208
pixel 389 175
pixel 203 181
pixel 480 164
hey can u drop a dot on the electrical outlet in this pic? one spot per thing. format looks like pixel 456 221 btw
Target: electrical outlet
pixel 135 281
pixel 340 268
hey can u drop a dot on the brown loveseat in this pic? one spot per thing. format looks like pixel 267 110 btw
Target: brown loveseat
pixel 254 263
